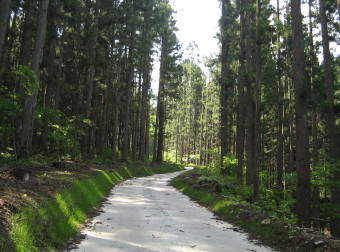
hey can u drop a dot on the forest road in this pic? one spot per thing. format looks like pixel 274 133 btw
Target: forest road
pixel 147 214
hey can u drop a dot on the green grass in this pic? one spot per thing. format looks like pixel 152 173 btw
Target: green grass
pixel 46 225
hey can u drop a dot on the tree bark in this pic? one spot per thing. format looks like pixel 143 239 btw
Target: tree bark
pixel 331 126
pixel 27 40
pixel 257 137
pixel 144 103
pixel 147 130
pixel 225 71
pixel 4 16
pixel 31 100
pixel 280 110
pixel 129 84
pixel 155 137
pixel 303 204
pixel 115 128
pixel 315 154
pixel 89 82
pixel 49 83
pixel 240 134
pixel 250 119
pixel 161 108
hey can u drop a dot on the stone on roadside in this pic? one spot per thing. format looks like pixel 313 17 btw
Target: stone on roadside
pixel 266 222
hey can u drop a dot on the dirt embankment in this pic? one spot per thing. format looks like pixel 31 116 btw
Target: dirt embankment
pixel 22 184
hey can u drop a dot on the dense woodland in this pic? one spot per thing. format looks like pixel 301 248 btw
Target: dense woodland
pixel 75 78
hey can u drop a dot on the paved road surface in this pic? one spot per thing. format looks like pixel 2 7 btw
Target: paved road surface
pixel 146 214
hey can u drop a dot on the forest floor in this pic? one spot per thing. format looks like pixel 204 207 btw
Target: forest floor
pixel 267 230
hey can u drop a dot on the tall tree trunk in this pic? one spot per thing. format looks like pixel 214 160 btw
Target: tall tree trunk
pixel 147 130
pixel 161 108
pixel 280 109
pixel 4 16
pixel 241 97
pixel 89 85
pixel 331 126
pixel 24 58
pixel 292 151
pixel 116 102
pixel 76 98
pixel 155 137
pixel 31 100
pixel 145 91
pixel 135 116
pixel 315 154
pixel 49 84
pixel 257 137
pixel 105 115
pixel 225 26
pixel 115 128
pixel 27 36
pixel 303 203
pixel 250 123
pixel 59 71
pixel 201 158
pixel 129 85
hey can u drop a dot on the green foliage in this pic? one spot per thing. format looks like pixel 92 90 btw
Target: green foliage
pixel 322 175
pixel 277 203
pixel 27 78
pixel 61 129
pixel 274 202
pixel 10 106
pixel 229 165
pixel 170 156
pixel 323 181
pixel 48 224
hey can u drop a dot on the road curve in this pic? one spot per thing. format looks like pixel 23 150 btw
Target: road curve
pixel 147 214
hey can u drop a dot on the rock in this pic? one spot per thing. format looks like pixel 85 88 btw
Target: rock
pixel 266 222
pixel 26 177
pixel 82 236
pixel 319 243
pixel 21 173
pixel 73 246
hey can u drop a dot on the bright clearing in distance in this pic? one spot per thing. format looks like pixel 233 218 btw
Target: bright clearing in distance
pixel 198 21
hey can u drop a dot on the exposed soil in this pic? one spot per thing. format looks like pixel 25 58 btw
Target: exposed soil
pixel 286 236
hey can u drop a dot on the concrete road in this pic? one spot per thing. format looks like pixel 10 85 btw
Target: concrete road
pixel 147 214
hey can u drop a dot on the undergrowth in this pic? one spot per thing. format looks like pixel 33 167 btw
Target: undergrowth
pixel 274 202
pixel 45 225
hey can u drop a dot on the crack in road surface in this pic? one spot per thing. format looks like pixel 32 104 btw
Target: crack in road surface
pixel 147 214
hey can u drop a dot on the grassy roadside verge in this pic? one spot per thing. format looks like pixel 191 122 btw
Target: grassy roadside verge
pixel 279 235
pixel 45 224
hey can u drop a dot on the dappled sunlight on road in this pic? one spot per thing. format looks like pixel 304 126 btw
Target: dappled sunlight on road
pixel 146 214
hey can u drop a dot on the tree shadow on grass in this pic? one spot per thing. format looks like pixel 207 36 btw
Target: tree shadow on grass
pixel 6 243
